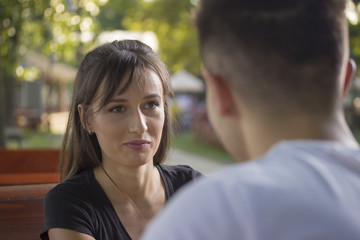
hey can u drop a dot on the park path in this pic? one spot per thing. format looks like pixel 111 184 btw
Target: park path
pixel 203 165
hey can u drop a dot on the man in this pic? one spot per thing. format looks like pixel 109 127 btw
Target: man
pixel 276 73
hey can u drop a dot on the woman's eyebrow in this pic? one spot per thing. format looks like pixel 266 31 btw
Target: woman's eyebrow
pixel 152 96
pixel 118 100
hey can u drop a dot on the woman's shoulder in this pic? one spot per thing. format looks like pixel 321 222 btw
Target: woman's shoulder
pixel 180 171
pixel 76 187
pixel 176 176
pixel 72 204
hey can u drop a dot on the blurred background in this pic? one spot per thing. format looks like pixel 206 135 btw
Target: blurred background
pixel 43 41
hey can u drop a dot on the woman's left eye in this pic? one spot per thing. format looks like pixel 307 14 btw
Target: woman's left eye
pixel 151 105
pixel 117 109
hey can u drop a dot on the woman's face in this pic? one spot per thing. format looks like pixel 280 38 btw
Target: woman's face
pixel 129 127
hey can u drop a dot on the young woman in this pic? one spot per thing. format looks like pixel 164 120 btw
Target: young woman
pixel 117 136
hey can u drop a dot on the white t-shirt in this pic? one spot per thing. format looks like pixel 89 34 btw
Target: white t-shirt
pixel 308 190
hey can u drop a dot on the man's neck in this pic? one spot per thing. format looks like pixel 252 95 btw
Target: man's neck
pixel 261 133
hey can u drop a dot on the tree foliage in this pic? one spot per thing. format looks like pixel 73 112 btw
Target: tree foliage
pixel 59 29
pixel 170 20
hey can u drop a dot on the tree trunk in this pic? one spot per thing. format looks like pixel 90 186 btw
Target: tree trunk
pixel 9 89
pixel 2 109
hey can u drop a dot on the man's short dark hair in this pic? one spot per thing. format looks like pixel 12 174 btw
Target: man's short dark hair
pixel 287 54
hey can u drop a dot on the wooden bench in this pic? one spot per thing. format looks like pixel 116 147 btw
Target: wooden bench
pixel 26 176
pixel 29 166
pixel 21 211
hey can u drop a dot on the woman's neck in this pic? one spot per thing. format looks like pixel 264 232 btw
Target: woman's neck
pixel 137 182
pixel 136 193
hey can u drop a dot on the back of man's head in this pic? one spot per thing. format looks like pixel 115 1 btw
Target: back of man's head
pixel 280 56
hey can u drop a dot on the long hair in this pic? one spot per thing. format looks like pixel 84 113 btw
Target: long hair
pixel 111 65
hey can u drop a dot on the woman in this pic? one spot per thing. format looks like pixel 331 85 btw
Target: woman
pixel 117 136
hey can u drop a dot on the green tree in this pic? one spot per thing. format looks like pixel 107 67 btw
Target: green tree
pixel 13 14
pixel 170 20
pixel 63 30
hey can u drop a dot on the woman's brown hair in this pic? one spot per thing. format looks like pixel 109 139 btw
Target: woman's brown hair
pixel 108 65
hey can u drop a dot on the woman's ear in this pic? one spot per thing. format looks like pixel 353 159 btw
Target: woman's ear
pixel 349 75
pixel 84 122
pixel 221 91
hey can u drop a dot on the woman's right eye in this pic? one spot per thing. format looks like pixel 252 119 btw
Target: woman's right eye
pixel 117 109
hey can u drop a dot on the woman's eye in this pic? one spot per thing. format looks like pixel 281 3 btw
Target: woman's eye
pixel 117 109
pixel 151 105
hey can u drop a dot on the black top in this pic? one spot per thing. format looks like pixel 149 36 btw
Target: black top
pixel 80 204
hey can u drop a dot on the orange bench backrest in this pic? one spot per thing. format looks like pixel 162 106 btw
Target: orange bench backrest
pixel 29 160
pixel 29 166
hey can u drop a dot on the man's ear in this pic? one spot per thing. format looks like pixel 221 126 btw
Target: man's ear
pixel 84 122
pixel 221 91
pixel 349 75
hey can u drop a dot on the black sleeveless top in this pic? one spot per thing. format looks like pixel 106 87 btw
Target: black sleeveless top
pixel 80 204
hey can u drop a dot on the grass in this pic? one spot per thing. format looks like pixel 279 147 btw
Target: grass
pixel 189 144
pixel 43 140
pixel 37 139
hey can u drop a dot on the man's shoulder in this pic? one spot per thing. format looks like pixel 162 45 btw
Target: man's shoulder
pixel 291 182
pixel 288 168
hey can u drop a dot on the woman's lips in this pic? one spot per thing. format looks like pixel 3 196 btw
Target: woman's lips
pixel 137 144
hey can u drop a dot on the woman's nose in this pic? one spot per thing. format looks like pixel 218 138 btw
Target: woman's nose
pixel 138 123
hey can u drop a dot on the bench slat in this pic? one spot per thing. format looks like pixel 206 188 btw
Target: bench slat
pixel 21 211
